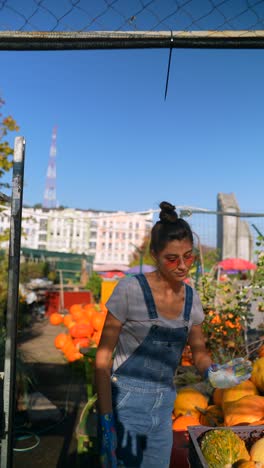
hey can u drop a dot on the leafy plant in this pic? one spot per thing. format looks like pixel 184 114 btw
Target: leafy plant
pixel 32 270
pixel 258 279
pixel 227 317
pixel 142 254
pixel 94 285
pixel 7 124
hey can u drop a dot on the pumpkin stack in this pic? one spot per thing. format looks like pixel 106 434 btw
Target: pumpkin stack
pixel 185 411
pixel 236 406
pixel 83 325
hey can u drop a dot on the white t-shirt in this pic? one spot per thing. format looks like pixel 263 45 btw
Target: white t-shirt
pixel 127 304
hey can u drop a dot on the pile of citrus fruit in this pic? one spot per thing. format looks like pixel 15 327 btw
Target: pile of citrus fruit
pixel 83 327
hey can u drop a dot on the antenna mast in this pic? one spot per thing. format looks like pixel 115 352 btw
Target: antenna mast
pixel 50 200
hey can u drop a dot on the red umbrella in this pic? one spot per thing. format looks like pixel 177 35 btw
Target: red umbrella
pixel 238 264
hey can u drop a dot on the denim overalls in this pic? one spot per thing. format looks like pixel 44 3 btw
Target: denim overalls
pixel 143 392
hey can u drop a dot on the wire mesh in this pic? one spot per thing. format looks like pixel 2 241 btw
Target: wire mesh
pixel 204 224
pixel 135 15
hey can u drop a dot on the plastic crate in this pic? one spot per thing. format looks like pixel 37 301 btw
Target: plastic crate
pixel 249 434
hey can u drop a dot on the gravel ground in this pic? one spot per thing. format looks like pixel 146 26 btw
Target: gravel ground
pixel 65 387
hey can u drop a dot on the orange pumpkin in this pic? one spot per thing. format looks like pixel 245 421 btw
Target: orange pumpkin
pixel 97 321
pixel 182 422
pixel 78 314
pixel 81 330
pixel 68 321
pixel 217 396
pixel 235 393
pixel 257 375
pixel 212 416
pixel 89 311
pixel 56 318
pixel 60 340
pixel 74 356
pixel 248 409
pixel 75 308
pixel 83 342
pixel 68 343
pixel 188 400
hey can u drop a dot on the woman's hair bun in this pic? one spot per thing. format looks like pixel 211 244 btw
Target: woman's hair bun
pixel 168 213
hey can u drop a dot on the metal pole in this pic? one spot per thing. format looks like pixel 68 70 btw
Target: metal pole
pixel 61 292
pixel 84 40
pixel 258 231
pixel 12 304
pixel 200 252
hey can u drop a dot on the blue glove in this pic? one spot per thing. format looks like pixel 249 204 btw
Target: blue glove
pixel 229 374
pixel 108 442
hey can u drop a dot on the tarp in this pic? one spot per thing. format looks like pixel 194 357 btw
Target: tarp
pixel 238 264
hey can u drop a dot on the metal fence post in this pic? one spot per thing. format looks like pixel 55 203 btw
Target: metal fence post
pixel 12 304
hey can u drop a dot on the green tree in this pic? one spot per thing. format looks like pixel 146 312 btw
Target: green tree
pixel 7 124
pixel 3 285
pixel 210 257
pixel 94 285
pixel 142 254
pixel 32 270
pixel 258 278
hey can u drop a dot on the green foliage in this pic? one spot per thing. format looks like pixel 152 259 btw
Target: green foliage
pixel 7 124
pixel 3 285
pixel 32 270
pixel 210 258
pixel 94 285
pixel 227 316
pixel 228 313
pixel 142 254
pixel 259 275
pixel 258 279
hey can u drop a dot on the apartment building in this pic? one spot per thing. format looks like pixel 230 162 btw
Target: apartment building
pixel 111 237
pixel 119 235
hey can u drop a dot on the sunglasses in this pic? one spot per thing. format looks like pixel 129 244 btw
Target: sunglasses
pixel 188 260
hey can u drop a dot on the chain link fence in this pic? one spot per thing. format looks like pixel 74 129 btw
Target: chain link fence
pixel 135 15
pixel 170 23
pixel 204 224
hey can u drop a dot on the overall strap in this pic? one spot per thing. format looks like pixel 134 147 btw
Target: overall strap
pixel 188 302
pixel 147 296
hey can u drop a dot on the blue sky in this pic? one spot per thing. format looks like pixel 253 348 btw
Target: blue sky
pixel 120 146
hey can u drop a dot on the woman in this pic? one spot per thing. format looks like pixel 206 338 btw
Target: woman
pixel 150 319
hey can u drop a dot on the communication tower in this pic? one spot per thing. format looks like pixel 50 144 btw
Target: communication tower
pixel 50 199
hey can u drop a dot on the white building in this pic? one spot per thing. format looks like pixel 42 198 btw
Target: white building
pixel 111 237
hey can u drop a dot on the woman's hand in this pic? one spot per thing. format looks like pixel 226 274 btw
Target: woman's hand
pixel 108 441
pixel 229 374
